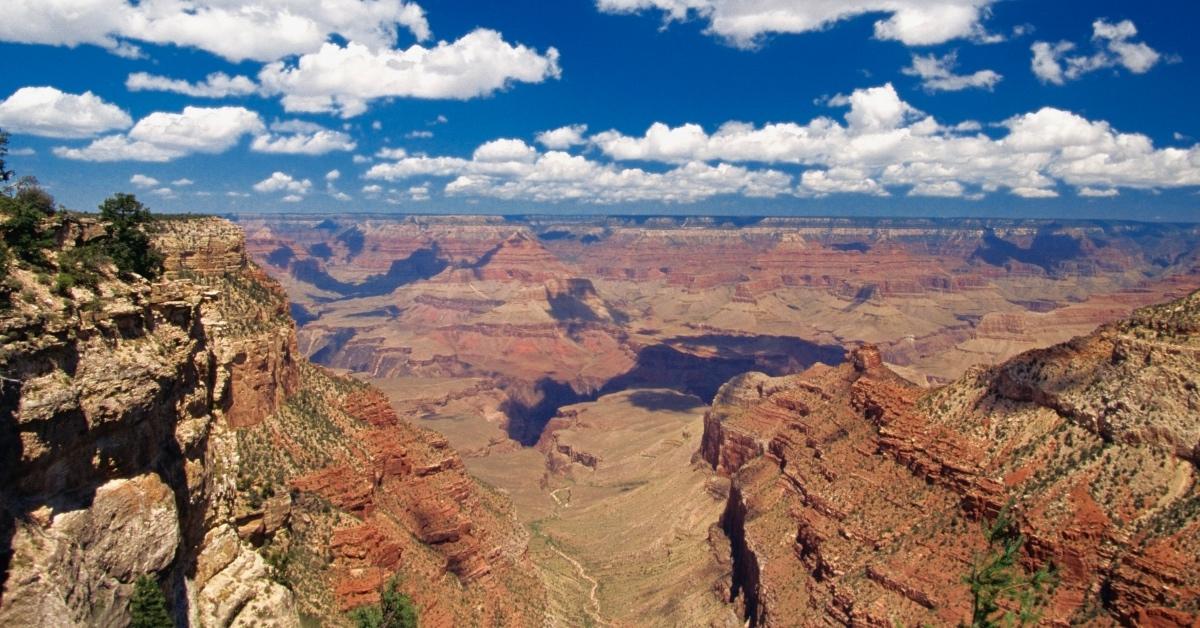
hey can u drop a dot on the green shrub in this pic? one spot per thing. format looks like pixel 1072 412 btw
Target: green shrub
pixel 128 245
pixel 996 577
pixel 395 610
pixel 148 606
pixel 27 209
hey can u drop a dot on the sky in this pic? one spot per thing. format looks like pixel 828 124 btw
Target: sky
pixel 1005 108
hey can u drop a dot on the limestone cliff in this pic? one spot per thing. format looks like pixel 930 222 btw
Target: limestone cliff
pixel 857 498
pixel 170 428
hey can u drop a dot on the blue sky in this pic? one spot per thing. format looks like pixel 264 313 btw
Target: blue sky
pixel 881 107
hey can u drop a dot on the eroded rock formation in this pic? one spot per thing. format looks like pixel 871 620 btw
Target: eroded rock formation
pixel 171 428
pixel 857 498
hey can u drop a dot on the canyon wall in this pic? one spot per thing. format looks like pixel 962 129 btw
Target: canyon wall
pixel 859 498
pixel 171 428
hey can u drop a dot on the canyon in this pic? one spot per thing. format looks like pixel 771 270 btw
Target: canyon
pixel 606 421
pixel 572 362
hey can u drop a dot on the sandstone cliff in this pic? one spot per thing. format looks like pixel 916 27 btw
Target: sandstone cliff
pixel 170 428
pixel 857 498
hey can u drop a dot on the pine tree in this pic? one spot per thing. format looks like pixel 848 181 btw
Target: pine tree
pixel 128 245
pixel 148 606
pixel 5 174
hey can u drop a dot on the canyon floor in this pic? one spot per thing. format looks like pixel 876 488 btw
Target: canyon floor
pixel 571 362
pixel 621 513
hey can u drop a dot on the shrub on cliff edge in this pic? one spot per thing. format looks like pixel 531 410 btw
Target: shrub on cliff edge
pixel 395 610
pixel 128 245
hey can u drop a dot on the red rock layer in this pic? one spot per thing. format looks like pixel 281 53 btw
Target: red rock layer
pixel 856 497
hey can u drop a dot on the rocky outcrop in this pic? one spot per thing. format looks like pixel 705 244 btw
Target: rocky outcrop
pixel 170 429
pixel 881 486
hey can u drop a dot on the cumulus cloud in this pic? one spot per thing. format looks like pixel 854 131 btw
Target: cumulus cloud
pixel 215 85
pixel 297 137
pixel 389 153
pixel 166 136
pixel 143 181
pixel 1113 48
pixel 937 74
pixel 49 112
pixel 563 138
pixel 505 150
pixel 512 170
pixel 744 23
pixel 261 30
pixel 344 79
pixel 886 142
pixel 182 182
pixel 283 182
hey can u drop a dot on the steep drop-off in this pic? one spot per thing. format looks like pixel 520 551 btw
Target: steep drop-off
pixel 857 498
pixel 170 428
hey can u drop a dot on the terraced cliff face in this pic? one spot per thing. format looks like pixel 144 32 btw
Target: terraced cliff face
pixel 171 429
pixel 857 498
pixel 580 301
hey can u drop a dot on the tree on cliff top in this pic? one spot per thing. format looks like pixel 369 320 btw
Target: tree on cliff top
pixel 148 606
pixel 5 174
pixel 395 610
pixel 1001 593
pixel 128 245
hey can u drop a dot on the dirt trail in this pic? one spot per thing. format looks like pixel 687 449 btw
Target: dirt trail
pixel 594 611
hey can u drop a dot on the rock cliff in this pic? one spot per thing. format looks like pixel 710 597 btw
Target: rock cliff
pixel 857 498
pixel 170 428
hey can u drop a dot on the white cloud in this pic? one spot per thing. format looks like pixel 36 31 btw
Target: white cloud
pixel 143 181
pixel 1098 192
pixel 182 182
pixel 839 181
pixel 215 85
pixel 292 198
pixel 165 136
pixel 419 135
pixel 361 159
pixel 262 30
pixel 163 192
pixel 745 22
pixel 416 166
pixel 1113 49
pixel 1024 192
pixel 505 150
pixel 333 175
pixel 937 74
pixel 48 112
pixel 389 153
pixel 22 152
pixel 297 137
pixel 283 182
pixel 563 138
pixel 419 193
pixel 512 170
pixel 343 79
pixel 886 142
pixel 377 126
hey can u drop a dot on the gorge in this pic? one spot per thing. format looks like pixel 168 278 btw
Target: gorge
pixel 521 434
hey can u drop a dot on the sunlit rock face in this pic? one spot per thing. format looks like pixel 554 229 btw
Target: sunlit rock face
pixel 171 428
pixel 882 486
